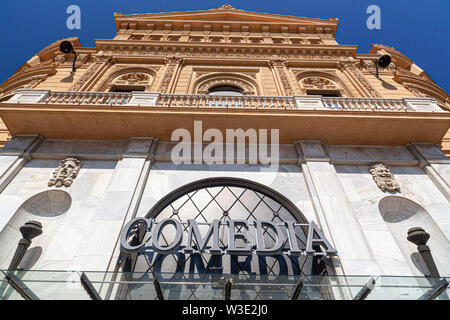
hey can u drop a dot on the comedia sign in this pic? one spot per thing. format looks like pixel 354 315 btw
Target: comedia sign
pixel 238 231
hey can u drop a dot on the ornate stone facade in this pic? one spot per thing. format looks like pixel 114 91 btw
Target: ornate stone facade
pixel 339 126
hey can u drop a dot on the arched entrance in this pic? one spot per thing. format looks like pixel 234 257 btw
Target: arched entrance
pixel 224 199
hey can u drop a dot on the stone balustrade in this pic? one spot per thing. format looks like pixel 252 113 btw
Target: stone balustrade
pixel 217 101
pixel 151 99
pixel 88 98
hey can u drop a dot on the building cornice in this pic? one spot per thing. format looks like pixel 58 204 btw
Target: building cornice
pixel 148 48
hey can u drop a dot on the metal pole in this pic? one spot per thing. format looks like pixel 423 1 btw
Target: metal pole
pixel 228 289
pixel 434 293
pixel 157 286
pixel 366 290
pixel 298 289
pixel 420 237
pixel 29 230
pixel 87 285
pixel 74 60
pixel 20 287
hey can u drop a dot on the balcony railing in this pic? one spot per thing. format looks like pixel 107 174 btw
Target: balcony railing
pixel 216 101
pixel 149 99
pixel 67 97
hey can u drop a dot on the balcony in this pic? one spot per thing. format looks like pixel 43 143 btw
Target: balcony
pixel 149 99
pixel 121 115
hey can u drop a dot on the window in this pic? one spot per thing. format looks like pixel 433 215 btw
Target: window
pixel 324 93
pixel 117 88
pixel 223 90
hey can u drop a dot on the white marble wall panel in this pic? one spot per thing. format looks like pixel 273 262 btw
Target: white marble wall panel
pixel 5 163
pixel 75 147
pixel 355 154
pixel 345 231
pixel 365 196
pixel 165 177
pixel 62 243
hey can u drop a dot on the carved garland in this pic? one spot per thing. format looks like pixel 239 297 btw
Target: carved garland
pixel 369 66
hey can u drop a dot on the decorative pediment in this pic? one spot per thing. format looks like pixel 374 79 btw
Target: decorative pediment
pixel 226 14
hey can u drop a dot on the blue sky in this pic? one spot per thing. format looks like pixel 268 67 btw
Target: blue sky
pixel 419 29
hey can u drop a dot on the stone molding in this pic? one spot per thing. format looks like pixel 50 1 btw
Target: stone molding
pixel 143 98
pixel 30 96
pixel 309 102
pixel 422 104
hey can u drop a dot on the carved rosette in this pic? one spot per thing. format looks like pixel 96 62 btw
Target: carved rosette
pixel 65 173
pixel 384 178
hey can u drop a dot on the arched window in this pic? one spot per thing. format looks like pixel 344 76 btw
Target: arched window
pixel 224 199
pixel 224 90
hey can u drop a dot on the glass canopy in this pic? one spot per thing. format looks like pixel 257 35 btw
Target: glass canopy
pixel 75 285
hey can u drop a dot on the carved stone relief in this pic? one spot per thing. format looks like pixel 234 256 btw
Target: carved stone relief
pixel 279 66
pixel 133 79
pixel 90 72
pixel 321 80
pixel 318 83
pixel 384 178
pixel 65 173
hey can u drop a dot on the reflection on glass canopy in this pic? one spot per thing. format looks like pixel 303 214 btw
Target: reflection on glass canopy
pixel 67 285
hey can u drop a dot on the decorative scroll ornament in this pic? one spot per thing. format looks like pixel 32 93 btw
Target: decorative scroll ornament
pixel 133 78
pixel 65 173
pixel 384 178
pixel 317 82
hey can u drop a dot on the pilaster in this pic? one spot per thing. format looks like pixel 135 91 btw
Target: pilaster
pixel 12 159
pixel 173 65
pixel 435 164
pixel 120 200
pixel 15 155
pixel 334 213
